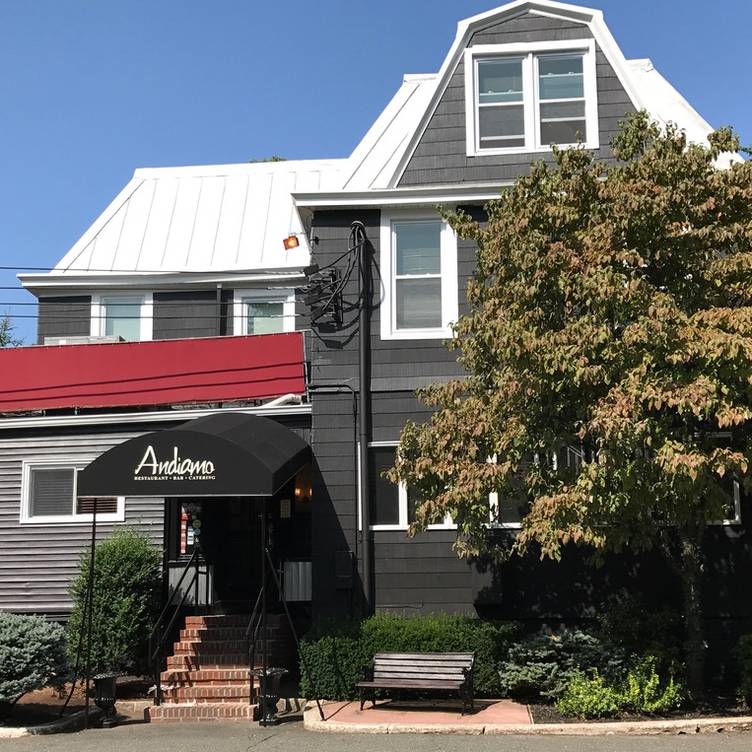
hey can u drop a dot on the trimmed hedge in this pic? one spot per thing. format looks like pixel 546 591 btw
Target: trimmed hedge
pixel 32 655
pixel 339 652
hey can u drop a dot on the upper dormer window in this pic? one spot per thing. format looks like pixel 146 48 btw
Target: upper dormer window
pixel 126 316
pixel 522 98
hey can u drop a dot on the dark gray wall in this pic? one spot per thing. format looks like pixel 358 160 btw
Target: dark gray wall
pixel 440 156
pixel 193 313
pixel 64 316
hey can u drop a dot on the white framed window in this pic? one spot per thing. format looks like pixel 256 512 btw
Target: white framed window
pixel 730 486
pixel 391 506
pixel 264 311
pixel 418 263
pixel 49 496
pixel 524 97
pixel 128 316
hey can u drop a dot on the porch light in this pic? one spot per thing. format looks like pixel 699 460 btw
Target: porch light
pixel 303 485
pixel 291 241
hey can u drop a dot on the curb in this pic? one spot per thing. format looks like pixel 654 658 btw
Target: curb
pixel 69 723
pixel 312 722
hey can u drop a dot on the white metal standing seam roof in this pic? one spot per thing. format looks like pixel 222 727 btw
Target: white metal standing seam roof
pixel 206 218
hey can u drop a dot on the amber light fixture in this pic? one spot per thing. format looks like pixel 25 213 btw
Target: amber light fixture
pixel 291 241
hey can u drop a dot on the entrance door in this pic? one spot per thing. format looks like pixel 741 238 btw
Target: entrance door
pixel 231 543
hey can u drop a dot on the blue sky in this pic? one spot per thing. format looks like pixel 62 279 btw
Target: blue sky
pixel 92 89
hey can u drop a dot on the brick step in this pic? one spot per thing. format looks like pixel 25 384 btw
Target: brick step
pixel 220 647
pixel 227 620
pixel 206 711
pixel 206 677
pixel 213 693
pixel 211 662
pixel 225 633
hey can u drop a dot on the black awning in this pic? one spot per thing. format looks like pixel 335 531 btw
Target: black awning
pixel 231 454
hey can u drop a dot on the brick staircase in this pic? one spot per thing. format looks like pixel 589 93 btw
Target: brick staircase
pixel 207 675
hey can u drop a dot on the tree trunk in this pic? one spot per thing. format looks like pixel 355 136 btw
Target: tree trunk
pixel 690 573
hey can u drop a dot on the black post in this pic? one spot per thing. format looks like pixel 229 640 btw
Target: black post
pixel 263 685
pixel 90 608
pixel 364 336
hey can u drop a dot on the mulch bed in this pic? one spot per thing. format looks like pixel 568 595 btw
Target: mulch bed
pixel 45 705
pixel 718 709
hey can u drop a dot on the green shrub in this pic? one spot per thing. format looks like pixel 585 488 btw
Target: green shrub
pixel 541 667
pixel 641 691
pixel 338 653
pixel 589 698
pixel 126 574
pixel 32 655
pixel 744 656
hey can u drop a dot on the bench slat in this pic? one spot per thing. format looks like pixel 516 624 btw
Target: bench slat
pixel 428 656
pixel 409 684
pixel 406 666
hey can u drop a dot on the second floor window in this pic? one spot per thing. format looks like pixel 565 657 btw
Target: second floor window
pixel 523 98
pixel 264 311
pixel 126 316
pixel 419 270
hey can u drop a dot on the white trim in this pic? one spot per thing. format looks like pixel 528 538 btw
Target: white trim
pixel 399 197
pixel 99 308
pixel 449 282
pixel 403 524
pixel 158 416
pixel 241 296
pixel 61 462
pixel 126 281
pixel 529 52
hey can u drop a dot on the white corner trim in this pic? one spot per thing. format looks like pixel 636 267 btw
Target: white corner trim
pixel 62 462
pixel 449 280
pixel 528 52
pixel 241 296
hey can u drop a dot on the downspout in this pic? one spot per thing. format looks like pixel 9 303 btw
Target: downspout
pixel 364 337
pixel 219 309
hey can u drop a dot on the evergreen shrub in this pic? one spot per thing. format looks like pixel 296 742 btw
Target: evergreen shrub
pixel 32 656
pixel 744 657
pixel 126 587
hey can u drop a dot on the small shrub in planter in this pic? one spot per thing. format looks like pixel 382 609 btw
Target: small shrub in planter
pixel 540 668
pixel 589 698
pixel 126 585
pixel 32 656
pixel 744 657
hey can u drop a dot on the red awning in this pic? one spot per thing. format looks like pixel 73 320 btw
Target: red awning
pixel 164 372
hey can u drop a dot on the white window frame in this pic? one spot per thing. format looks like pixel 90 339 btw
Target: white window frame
pixel 737 518
pixel 242 297
pixel 61 463
pixel 449 282
pixel 529 53
pixel 99 303
pixel 403 524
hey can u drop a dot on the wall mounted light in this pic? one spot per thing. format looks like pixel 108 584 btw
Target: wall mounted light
pixel 291 241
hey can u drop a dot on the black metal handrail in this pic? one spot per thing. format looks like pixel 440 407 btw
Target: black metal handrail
pixel 251 639
pixel 158 634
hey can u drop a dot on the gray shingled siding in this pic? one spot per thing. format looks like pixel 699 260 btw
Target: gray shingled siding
pixel 179 315
pixel 440 156
pixel 37 561
pixel 64 316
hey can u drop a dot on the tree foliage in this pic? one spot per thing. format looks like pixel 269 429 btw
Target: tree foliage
pixel 607 347
pixel 7 338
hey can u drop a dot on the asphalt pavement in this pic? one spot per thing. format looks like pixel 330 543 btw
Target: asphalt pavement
pixel 291 737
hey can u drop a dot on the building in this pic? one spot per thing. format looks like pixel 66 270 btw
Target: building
pixel 197 254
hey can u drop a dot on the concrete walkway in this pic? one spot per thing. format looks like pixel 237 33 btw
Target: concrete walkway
pixel 417 717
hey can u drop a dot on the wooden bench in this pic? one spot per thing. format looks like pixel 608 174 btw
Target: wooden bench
pixel 422 673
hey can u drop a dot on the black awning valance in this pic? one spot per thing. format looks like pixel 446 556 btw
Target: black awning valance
pixel 230 454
